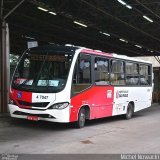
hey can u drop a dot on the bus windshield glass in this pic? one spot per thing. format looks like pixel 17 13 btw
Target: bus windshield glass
pixel 42 72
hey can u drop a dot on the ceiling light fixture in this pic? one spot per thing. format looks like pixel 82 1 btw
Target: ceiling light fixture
pixel 149 50
pixel 53 13
pixel 138 46
pixel 129 7
pixel 122 2
pixel 81 24
pixel 123 40
pixel 148 19
pixel 28 37
pixel 107 34
pixel 42 9
pixel 125 4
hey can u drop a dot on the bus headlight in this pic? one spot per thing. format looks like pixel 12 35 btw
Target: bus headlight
pixel 59 105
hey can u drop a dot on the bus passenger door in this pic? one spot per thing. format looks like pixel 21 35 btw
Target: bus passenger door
pixel 81 94
pixel 102 93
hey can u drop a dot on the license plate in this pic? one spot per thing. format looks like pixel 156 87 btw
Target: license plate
pixel 33 118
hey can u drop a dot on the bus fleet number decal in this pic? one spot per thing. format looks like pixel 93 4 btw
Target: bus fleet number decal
pixel 42 97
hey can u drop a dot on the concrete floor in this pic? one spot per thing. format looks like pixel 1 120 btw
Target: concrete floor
pixel 112 135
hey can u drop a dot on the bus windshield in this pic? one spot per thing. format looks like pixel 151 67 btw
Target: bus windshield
pixel 42 72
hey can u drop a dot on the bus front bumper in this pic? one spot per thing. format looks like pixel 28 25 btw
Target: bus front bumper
pixel 52 115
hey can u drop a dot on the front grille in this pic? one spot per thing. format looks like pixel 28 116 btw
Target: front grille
pixel 28 114
pixel 36 104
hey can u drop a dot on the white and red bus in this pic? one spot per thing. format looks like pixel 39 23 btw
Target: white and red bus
pixel 72 84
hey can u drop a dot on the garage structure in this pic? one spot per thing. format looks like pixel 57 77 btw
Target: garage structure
pixel 122 27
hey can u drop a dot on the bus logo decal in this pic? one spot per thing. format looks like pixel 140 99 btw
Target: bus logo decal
pixel 19 95
pixel 120 94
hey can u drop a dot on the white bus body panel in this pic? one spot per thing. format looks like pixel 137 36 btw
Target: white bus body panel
pixel 140 96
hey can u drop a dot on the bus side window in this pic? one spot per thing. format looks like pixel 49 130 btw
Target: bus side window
pixel 82 74
pixel 145 75
pixel 101 71
pixel 117 72
pixel 132 73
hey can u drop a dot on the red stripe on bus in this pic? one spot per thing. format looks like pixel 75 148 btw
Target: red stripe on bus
pixel 25 96
pixel 97 52
pixel 98 98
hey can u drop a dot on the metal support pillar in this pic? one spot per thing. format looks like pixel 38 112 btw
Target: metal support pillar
pixel 4 57
pixel 4 67
pixel 1 66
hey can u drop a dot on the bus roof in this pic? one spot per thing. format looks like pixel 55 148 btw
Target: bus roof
pixel 130 58
pixel 55 48
pixel 112 55
pixel 71 49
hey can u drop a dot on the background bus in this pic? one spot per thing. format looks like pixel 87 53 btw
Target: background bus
pixel 72 84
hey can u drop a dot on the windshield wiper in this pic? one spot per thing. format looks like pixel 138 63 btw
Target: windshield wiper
pixel 40 72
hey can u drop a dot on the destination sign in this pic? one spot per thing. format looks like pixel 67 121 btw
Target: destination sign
pixel 56 58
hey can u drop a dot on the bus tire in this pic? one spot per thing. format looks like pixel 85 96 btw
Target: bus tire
pixel 129 112
pixel 81 118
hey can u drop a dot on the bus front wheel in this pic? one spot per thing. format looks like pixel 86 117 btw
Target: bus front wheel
pixel 81 118
pixel 129 112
